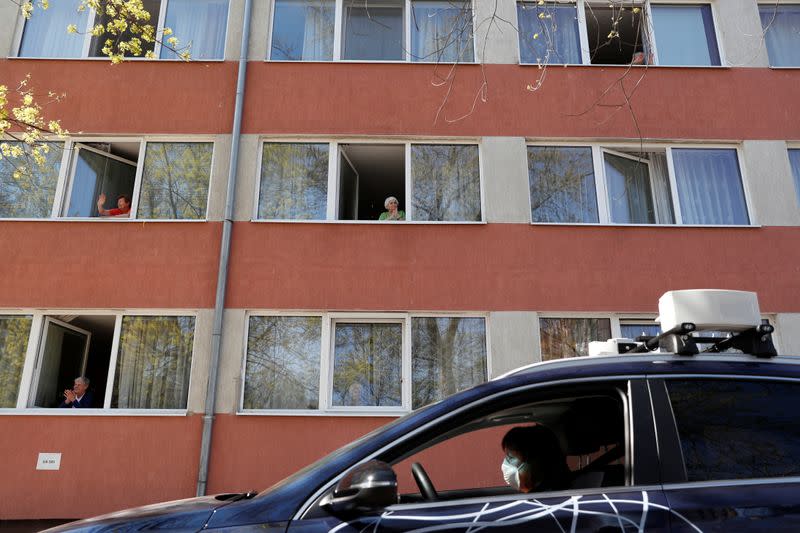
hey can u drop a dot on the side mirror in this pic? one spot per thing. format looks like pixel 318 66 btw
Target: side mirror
pixel 367 489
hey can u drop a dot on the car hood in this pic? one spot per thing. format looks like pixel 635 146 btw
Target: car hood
pixel 180 515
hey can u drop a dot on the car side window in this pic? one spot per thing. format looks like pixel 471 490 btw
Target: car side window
pixel 737 429
pixel 589 429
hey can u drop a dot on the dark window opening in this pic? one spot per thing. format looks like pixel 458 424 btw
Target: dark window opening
pixel 615 35
pixel 368 174
pixel 73 346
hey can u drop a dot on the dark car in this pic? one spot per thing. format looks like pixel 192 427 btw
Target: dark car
pixel 653 441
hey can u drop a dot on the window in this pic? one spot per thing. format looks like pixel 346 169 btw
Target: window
pixel 27 189
pixel 630 329
pixel 781 24
pixel 131 361
pixel 794 161
pixel 352 181
pixel 684 35
pixel 200 24
pixel 737 429
pixel 343 363
pixel 378 30
pixel 570 337
pixel 169 181
pixel 642 186
pixel 14 333
pixel 607 33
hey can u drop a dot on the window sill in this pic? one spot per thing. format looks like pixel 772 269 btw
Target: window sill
pixel 35 411
pixel 374 222
pixel 393 413
pixel 155 60
pixel 100 220
pixel 612 65
pixel 369 62
pixel 678 226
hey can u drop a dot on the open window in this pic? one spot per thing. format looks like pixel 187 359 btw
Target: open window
pixel 463 461
pixel 102 170
pixel 616 33
pixel 368 174
pixel 638 187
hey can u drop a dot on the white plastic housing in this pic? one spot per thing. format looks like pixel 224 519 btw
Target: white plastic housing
pixel 609 347
pixel 709 309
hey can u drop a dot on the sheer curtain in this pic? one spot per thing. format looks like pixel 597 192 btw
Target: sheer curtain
pixel 709 186
pixel 46 34
pixel 794 161
pixel 659 179
pixel 373 30
pixel 201 23
pixel 441 31
pixel 557 40
pixel 318 31
pixel 782 25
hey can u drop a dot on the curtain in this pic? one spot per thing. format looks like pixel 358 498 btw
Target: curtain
pixel 782 26
pixel 175 181
pixel 709 186
pixel 685 35
pixel 557 39
pixel 447 355
pixel 373 31
pixel 659 179
pixel 794 161
pixel 294 182
pixel 441 32
pixel 153 362
pixel 318 32
pixel 46 34
pixel 14 333
pixel 201 23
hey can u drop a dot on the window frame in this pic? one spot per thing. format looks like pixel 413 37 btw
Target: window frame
pixel 87 39
pixel 329 321
pixel 333 178
pixel 29 380
pixel 338 39
pixel 601 183
pixel 648 31
pixel 65 180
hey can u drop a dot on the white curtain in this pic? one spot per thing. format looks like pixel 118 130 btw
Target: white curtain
pixel 46 34
pixel 318 31
pixel 709 186
pixel 782 35
pixel 557 40
pixel 659 178
pixel 794 160
pixel 201 23
pixel 441 32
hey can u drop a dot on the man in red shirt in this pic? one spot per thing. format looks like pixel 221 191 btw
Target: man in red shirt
pixel 123 206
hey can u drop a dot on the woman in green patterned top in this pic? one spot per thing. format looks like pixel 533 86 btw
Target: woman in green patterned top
pixel 392 213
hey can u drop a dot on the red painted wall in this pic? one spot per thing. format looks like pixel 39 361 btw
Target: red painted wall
pixel 504 266
pixel 109 264
pixel 107 463
pixel 400 99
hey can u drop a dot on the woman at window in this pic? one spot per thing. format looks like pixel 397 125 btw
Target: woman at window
pixel 392 213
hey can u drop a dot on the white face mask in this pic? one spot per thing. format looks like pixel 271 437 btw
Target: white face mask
pixel 511 471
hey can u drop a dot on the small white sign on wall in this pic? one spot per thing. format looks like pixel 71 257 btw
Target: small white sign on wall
pixel 49 461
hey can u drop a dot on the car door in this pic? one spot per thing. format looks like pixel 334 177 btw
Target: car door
pixel 730 452
pixel 635 503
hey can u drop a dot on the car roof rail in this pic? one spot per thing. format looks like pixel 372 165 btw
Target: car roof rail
pixel 685 315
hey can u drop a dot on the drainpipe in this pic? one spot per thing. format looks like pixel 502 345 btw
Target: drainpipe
pixel 224 256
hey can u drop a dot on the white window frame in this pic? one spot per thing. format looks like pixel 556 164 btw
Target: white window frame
pixel 87 39
pixel 329 321
pixel 28 379
pixel 648 32
pixel 601 184
pixel 338 39
pixel 66 174
pixel 333 178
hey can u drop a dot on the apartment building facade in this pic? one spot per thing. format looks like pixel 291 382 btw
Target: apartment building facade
pixel 551 191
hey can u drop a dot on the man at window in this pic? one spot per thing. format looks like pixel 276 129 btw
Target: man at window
pixel 534 461
pixel 123 206
pixel 78 397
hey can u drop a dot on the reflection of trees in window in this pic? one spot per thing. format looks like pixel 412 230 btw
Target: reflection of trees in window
pixel 447 355
pixel 294 181
pixel 154 361
pixel 366 367
pixel 27 189
pixel 303 30
pixel 737 429
pixel 14 332
pixel 175 180
pixel 570 337
pixel 445 182
pixel 562 184
pixel 283 358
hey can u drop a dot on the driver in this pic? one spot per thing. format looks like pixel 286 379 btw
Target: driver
pixel 534 461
